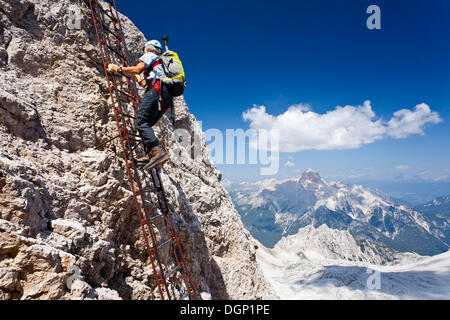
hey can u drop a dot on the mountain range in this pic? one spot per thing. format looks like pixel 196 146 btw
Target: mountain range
pixel 437 212
pixel 273 209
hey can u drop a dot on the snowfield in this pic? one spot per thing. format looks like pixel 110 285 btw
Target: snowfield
pixel 299 268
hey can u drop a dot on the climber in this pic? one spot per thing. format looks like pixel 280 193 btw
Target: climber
pixel 156 102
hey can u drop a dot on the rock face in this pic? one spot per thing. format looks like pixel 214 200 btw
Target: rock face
pixel 326 243
pixel 68 227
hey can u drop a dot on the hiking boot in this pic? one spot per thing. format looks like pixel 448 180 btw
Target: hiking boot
pixel 141 161
pixel 157 157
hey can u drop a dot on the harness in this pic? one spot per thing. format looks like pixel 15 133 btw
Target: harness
pixel 156 83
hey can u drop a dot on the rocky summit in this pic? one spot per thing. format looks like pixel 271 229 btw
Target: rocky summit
pixel 68 227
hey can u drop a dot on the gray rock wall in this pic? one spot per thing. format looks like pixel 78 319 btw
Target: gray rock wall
pixel 66 208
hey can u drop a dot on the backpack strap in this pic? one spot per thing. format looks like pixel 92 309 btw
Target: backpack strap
pixel 151 67
pixel 156 83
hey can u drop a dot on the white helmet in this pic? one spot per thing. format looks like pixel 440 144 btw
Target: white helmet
pixel 154 43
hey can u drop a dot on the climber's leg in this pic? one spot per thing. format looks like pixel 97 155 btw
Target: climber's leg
pixel 147 117
pixel 158 156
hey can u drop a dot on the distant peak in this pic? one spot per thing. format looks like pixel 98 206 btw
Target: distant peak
pixel 311 175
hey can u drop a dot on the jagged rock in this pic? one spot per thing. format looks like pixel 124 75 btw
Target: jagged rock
pixel 66 207
pixel 5 295
pixel 9 243
pixel 106 294
pixel 9 279
pixel 43 286
pixel 80 289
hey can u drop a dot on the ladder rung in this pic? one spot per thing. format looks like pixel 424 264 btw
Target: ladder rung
pixel 105 12
pixel 164 243
pixel 107 29
pixel 126 94
pixel 148 202
pixel 116 52
pixel 128 116
pixel 156 217
pixel 127 76
pixel 172 272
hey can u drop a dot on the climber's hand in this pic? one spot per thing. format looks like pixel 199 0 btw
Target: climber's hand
pixel 113 68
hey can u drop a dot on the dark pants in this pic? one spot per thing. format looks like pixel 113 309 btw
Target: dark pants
pixel 149 114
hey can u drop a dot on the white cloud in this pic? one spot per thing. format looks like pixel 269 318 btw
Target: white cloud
pixel 406 122
pixel 346 127
pixel 348 176
pixel 434 176
pixel 402 167
pixel 444 177
pixel 289 164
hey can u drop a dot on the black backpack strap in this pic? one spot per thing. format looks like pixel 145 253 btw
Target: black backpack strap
pixel 172 114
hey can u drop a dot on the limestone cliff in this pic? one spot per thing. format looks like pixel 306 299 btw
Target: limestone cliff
pixel 65 205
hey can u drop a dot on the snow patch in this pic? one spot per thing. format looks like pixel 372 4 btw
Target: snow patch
pixel 313 265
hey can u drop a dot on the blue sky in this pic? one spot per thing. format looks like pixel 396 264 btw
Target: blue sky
pixel 320 53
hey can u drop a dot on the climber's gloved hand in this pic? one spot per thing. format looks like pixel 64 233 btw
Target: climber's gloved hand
pixel 113 68
pixel 139 80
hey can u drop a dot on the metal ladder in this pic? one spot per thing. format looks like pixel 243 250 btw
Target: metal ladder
pixel 155 216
